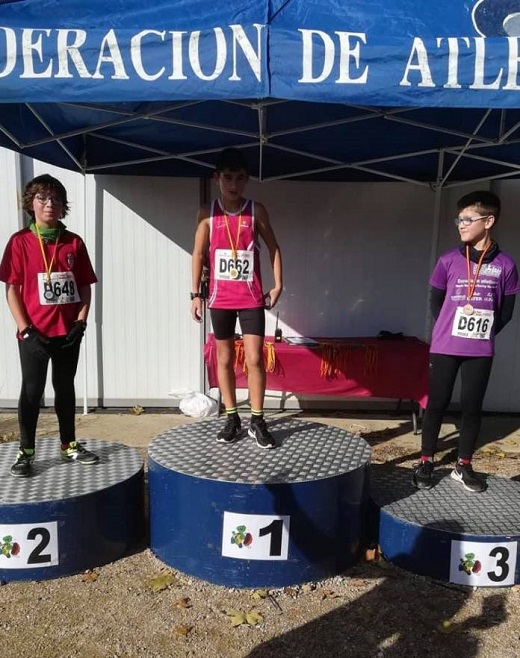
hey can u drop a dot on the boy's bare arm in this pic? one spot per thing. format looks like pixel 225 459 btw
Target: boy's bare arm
pixel 265 231
pixel 198 259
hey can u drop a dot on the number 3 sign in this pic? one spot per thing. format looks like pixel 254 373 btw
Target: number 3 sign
pixel 483 564
pixel 255 536
pixel 29 545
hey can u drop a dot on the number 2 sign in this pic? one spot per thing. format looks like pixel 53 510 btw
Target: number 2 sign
pixel 29 545
pixel 255 536
pixel 483 564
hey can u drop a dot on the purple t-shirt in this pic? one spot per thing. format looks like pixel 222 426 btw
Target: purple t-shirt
pixel 462 334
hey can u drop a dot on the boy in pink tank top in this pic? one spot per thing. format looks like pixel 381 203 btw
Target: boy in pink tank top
pixel 227 231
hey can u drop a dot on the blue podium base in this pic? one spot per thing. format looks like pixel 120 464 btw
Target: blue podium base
pixel 446 532
pixel 241 516
pixel 66 517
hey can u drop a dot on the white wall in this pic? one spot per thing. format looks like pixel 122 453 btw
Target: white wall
pixel 355 256
pixel 356 260
pixel 10 222
pixel 148 340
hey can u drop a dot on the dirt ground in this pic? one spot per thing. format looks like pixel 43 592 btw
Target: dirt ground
pixel 137 607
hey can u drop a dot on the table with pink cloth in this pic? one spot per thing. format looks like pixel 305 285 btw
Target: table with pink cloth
pixel 345 367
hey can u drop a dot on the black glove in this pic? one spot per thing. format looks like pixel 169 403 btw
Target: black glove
pixel 35 340
pixel 75 335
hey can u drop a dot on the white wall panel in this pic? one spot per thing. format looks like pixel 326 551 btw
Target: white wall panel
pixel 10 221
pixel 355 256
pixel 150 344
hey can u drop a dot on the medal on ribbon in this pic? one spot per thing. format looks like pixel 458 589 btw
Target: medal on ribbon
pixel 233 271
pixel 468 308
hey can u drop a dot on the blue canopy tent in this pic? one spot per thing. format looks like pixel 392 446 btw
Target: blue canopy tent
pixel 310 89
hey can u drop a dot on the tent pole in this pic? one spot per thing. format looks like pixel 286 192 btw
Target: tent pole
pixel 85 343
pixel 435 236
pixel 204 197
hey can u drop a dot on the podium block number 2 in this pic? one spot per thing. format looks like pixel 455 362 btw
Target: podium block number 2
pixel 29 545
pixel 255 536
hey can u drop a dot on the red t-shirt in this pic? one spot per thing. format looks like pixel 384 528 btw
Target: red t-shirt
pixel 22 264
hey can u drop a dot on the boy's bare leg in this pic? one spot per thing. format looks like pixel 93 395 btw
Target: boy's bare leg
pixel 254 352
pixel 226 371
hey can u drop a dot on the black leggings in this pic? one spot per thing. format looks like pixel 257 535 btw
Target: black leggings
pixel 34 376
pixel 475 373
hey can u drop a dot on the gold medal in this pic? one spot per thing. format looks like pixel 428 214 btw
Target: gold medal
pixel 233 273
pixel 468 309
pixel 48 266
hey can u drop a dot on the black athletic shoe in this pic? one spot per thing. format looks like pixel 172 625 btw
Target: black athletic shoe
pixel 258 431
pixel 465 474
pixel 22 466
pixel 423 475
pixel 231 429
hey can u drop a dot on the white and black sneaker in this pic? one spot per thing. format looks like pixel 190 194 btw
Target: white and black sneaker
pixel 258 431
pixel 465 474
pixel 75 452
pixel 231 430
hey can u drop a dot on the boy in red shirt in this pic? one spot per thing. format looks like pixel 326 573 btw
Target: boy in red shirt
pixel 228 229
pixel 48 274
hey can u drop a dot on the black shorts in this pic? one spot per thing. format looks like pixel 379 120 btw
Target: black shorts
pixel 252 321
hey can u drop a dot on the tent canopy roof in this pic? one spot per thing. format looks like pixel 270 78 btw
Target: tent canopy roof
pixel 310 89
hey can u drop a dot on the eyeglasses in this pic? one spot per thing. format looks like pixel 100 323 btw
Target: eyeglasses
pixel 56 201
pixel 468 221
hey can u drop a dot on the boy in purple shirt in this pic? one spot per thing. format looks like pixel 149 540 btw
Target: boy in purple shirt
pixel 472 297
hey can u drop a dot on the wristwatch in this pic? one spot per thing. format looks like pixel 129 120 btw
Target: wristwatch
pixel 194 295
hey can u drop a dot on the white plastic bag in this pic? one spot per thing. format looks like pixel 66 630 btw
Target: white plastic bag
pixel 198 405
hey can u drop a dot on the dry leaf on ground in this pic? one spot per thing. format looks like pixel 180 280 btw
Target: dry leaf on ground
pixel 162 581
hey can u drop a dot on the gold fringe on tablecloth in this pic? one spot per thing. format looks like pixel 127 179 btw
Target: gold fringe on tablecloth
pixel 269 356
pixel 335 359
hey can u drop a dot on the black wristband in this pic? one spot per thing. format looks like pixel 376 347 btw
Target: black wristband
pixel 25 333
pixel 194 295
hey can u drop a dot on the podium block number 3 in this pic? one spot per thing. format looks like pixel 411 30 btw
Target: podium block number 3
pixel 483 564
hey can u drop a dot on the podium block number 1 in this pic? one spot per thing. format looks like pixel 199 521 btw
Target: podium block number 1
pixel 255 536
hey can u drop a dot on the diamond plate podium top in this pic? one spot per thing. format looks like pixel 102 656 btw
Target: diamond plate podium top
pixel 305 451
pixel 52 479
pixel 448 506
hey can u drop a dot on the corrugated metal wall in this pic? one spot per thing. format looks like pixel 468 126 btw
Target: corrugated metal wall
pixel 356 260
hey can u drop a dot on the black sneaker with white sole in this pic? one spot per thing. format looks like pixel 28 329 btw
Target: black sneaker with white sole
pixel 258 431
pixel 75 452
pixel 465 474
pixel 231 430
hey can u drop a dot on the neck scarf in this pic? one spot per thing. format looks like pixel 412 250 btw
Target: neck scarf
pixel 48 234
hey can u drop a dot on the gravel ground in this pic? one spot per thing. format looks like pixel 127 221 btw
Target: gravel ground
pixel 137 607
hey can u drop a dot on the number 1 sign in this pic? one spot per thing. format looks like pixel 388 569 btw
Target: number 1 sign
pixel 255 536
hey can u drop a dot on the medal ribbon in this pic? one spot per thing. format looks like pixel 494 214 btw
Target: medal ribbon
pixel 472 284
pixel 234 247
pixel 47 265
